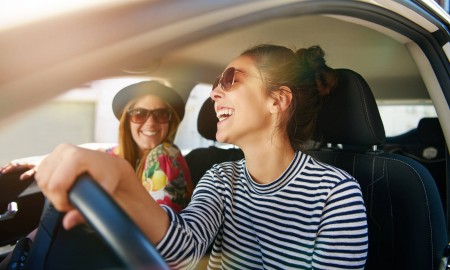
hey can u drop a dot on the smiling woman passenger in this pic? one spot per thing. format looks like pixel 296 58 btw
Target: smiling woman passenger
pixel 149 114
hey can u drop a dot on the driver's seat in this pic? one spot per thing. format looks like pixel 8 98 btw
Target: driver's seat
pixel 407 228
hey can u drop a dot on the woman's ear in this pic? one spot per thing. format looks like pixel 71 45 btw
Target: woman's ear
pixel 281 99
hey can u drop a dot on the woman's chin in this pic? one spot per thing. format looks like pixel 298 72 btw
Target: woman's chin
pixel 221 138
pixel 147 147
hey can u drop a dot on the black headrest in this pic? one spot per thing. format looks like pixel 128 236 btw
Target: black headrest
pixel 207 120
pixel 430 132
pixel 350 114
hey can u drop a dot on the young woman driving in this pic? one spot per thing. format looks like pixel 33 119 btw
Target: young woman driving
pixel 276 209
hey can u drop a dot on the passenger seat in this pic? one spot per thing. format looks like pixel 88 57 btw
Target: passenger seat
pixel 426 144
pixel 407 228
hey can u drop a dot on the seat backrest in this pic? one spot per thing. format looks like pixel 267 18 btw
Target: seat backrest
pixel 426 144
pixel 201 159
pixel 406 220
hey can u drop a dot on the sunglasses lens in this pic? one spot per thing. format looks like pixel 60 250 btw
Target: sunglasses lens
pixel 138 116
pixel 227 78
pixel 162 115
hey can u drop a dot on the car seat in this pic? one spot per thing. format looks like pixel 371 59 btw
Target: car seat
pixel 426 144
pixel 201 159
pixel 406 219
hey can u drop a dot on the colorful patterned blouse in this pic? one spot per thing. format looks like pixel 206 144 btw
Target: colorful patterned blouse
pixel 166 176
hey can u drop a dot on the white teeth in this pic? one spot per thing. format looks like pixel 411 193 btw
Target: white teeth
pixel 148 133
pixel 224 113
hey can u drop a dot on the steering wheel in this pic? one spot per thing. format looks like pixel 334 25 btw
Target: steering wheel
pixel 107 219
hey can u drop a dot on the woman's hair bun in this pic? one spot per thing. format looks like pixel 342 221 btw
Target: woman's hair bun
pixel 313 59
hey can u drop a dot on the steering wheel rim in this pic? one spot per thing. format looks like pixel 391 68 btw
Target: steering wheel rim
pixel 108 220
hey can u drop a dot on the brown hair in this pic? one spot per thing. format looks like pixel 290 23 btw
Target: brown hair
pixel 128 149
pixel 306 74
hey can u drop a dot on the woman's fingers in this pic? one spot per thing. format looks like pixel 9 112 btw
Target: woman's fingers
pixel 13 167
pixel 28 174
pixel 72 219
pixel 56 175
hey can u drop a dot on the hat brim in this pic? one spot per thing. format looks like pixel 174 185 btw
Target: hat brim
pixel 140 89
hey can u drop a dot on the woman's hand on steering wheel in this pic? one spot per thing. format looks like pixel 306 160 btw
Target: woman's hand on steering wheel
pixel 59 170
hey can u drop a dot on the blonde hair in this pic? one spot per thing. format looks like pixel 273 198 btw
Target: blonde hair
pixel 128 149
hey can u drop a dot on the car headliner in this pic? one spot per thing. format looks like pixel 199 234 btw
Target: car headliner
pixel 189 42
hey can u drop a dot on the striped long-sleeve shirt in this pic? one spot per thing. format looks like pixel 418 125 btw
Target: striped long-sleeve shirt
pixel 311 217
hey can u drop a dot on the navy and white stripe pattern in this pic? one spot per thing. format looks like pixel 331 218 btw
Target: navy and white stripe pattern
pixel 312 217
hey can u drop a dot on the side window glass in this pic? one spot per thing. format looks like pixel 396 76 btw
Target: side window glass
pixel 398 119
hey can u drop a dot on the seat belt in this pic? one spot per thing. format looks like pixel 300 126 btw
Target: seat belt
pixel 50 223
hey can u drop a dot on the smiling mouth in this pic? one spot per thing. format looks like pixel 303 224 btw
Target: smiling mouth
pixel 223 114
pixel 149 133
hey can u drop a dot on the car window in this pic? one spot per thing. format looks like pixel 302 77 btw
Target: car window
pixel 82 115
pixel 400 118
pixel 68 118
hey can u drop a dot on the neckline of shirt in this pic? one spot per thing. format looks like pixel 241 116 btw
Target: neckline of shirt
pixel 294 168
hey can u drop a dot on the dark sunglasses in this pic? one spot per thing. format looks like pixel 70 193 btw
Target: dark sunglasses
pixel 139 115
pixel 226 79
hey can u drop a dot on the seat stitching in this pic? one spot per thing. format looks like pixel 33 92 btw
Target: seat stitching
pixel 427 205
pixel 364 102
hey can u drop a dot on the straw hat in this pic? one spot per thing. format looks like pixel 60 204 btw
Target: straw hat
pixel 137 90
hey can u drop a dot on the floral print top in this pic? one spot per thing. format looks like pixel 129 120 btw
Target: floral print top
pixel 166 176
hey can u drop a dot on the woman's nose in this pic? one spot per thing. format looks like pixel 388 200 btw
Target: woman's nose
pixel 216 93
pixel 151 119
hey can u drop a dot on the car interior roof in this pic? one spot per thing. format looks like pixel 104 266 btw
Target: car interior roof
pixel 376 55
